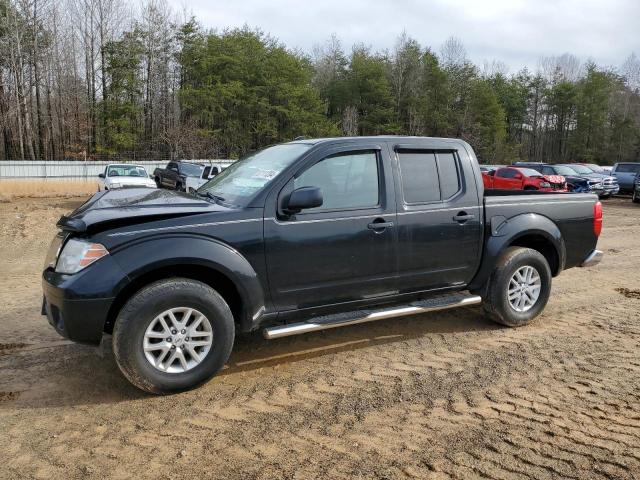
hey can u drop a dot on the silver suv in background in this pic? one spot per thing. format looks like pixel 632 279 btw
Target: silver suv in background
pixel 625 173
pixel 609 183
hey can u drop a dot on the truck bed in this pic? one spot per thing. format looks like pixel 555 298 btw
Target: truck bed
pixel 571 212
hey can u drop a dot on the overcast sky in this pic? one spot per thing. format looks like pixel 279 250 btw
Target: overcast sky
pixel 516 32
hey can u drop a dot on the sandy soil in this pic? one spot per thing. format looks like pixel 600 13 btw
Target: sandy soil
pixel 432 396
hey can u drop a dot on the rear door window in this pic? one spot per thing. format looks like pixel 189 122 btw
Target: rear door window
pixel 448 174
pixel 428 176
pixel 419 174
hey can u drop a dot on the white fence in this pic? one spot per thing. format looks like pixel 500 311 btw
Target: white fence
pixel 77 169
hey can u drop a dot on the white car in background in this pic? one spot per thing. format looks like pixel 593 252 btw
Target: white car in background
pixel 206 174
pixel 119 175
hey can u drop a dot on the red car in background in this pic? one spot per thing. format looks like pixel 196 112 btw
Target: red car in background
pixel 518 178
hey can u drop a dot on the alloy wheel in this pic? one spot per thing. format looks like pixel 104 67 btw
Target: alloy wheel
pixel 177 340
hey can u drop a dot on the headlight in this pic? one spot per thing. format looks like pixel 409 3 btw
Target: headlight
pixel 545 185
pixel 78 254
pixel 54 250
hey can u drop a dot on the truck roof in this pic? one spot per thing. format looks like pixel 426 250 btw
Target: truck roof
pixel 315 141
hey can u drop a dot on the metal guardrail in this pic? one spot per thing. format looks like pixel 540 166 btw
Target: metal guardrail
pixel 16 169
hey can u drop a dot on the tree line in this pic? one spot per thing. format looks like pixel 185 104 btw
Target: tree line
pixel 98 79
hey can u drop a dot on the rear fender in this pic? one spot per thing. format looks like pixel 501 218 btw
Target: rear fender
pixel 502 233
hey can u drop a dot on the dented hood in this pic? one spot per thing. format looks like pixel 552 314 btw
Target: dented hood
pixel 132 205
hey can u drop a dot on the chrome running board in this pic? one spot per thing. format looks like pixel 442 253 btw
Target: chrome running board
pixel 444 302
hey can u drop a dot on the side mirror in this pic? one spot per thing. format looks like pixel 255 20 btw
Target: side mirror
pixel 101 175
pixel 303 198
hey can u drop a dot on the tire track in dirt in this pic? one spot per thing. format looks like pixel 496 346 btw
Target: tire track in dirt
pixel 436 396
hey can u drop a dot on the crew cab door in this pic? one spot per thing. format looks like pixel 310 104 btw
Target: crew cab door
pixel 439 216
pixel 344 250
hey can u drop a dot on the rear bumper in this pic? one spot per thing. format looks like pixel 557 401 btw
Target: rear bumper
pixel 594 258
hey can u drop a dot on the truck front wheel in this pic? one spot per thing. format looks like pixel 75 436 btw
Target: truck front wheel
pixel 173 335
pixel 519 287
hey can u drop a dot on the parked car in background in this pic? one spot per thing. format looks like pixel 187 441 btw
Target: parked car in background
pixel 119 175
pixel 301 237
pixel 636 189
pixel 625 173
pixel 609 183
pixel 575 183
pixel 594 167
pixel 520 178
pixel 175 175
pixel 194 183
pixel 489 168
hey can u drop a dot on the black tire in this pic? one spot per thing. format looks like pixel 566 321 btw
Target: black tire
pixel 158 182
pixel 635 198
pixel 496 303
pixel 139 312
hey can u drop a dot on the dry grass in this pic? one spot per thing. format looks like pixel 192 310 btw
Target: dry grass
pixel 10 189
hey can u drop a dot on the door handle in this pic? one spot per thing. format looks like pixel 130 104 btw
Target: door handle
pixel 463 217
pixel 379 225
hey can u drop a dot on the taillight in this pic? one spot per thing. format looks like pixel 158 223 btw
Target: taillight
pixel 597 218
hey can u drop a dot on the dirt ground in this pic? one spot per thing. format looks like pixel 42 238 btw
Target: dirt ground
pixel 446 395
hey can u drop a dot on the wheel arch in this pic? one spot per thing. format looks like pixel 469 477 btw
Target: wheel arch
pixel 211 262
pixel 528 230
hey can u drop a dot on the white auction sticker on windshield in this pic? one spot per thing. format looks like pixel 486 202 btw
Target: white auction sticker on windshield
pixel 266 174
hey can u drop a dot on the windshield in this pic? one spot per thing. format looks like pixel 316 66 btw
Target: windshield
pixel 190 169
pixel 628 168
pixel 126 171
pixel 562 170
pixel 529 172
pixel 243 179
pixel 581 169
pixel 595 168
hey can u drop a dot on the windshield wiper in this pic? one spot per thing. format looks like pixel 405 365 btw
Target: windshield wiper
pixel 213 196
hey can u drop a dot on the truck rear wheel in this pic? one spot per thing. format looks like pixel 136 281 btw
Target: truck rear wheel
pixel 173 335
pixel 519 287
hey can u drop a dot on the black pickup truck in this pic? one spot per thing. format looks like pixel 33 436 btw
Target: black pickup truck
pixel 305 236
pixel 176 174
